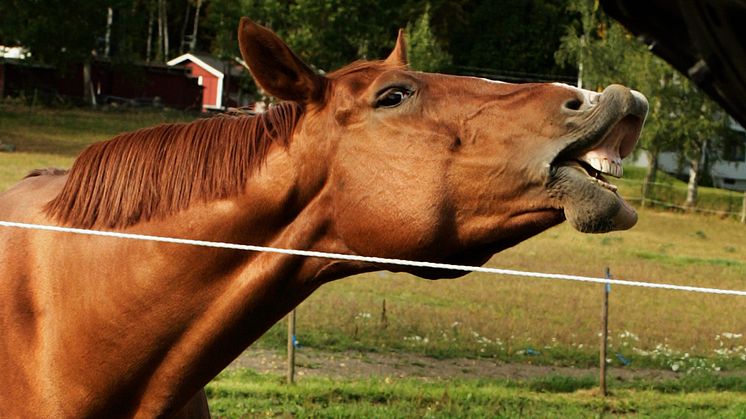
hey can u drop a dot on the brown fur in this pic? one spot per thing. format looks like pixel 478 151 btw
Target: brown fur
pixel 155 172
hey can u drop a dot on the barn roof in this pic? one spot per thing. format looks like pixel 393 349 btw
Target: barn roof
pixel 207 62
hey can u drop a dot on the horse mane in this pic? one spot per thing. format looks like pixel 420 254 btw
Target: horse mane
pixel 155 172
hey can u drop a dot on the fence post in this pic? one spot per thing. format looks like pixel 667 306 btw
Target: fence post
pixel 743 209
pixel 384 318
pixel 604 335
pixel 291 347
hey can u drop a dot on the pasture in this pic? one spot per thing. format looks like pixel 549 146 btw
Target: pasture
pixel 505 319
pixel 246 394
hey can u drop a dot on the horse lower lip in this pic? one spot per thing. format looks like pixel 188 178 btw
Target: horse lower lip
pixel 590 204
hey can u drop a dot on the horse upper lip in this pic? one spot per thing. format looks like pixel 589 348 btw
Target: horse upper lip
pixel 603 134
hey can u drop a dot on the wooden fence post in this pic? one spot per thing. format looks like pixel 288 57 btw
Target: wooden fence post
pixel 743 209
pixel 291 347
pixel 384 318
pixel 604 335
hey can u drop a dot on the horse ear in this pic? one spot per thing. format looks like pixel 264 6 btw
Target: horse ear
pixel 398 56
pixel 276 68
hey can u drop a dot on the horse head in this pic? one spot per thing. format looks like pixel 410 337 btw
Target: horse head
pixel 452 168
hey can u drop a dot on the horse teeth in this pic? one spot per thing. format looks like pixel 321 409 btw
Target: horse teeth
pixel 606 166
pixel 595 163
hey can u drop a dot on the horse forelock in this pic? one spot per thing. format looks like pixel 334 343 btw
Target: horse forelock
pixel 156 172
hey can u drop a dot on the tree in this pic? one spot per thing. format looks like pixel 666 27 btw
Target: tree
pixel 697 125
pixel 69 33
pixel 61 33
pixel 574 44
pixel 424 50
pixel 681 118
pixel 509 35
pixel 325 33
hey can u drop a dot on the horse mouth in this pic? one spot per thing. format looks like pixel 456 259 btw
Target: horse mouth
pixel 580 173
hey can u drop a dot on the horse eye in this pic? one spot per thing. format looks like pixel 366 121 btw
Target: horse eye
pixel 392 97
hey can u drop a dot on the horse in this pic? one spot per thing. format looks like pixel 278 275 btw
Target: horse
pixel 371 159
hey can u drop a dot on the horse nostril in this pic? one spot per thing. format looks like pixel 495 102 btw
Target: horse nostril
pixel 573 104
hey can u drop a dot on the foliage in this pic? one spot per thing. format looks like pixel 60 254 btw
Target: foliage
pixel 58 32
pixel 681 117
pixel 327 34
pixel 423 49
pixel 63 33
pixel 519 36
pixel 508 35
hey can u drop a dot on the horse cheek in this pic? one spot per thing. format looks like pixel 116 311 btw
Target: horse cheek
pixel 385 222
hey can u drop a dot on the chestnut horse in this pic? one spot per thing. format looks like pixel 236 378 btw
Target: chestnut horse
pixel 372 159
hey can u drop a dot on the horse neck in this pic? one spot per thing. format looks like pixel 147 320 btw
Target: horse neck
pixel 220 301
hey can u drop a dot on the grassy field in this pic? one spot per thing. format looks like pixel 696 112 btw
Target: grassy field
pixel 509 319
pixel 543 321
pixel 242 393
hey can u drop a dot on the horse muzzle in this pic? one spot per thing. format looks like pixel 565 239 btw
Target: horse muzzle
pixel 603 129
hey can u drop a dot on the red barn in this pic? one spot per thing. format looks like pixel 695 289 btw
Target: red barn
pixel 215 78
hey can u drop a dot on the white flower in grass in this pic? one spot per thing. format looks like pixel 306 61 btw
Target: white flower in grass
pixel 675 366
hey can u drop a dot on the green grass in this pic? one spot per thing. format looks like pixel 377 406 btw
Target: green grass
pixel 243 393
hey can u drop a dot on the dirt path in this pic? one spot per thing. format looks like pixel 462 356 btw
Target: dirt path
pixel 351 364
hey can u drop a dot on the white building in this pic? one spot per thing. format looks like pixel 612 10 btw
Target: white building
pixel 728 172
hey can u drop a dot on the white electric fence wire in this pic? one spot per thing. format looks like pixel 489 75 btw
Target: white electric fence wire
pixel 376 260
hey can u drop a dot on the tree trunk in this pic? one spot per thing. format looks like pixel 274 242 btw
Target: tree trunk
pixel 580 62
pixel 151 16
pixel 650 176
pixel 691 189
pixel 695 175
pixel 165 30
pixel 184 28
pixel 109 19
pixel 159 50
pixel 88 93
pixel 193 41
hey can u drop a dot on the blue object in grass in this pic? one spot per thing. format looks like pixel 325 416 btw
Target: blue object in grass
pixel 623 360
